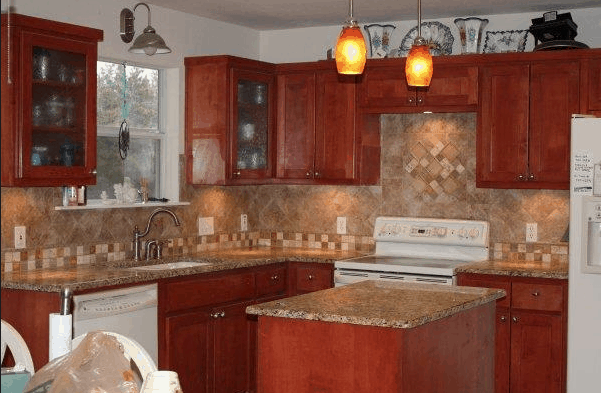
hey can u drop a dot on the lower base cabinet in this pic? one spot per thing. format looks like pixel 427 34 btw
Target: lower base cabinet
pixel 531 332
pixel 208 338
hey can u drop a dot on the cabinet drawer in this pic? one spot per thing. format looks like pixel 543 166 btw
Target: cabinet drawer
pixel 191 293
pixel 311 278
pixel 533 296
pixel 271 282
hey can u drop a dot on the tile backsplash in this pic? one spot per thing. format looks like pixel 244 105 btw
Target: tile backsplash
pixel 428 167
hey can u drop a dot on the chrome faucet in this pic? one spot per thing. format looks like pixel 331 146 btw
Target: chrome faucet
pixel 138 235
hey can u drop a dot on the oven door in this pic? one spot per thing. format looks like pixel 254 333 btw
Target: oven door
pixel 344 276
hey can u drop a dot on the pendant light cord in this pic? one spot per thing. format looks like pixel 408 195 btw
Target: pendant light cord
pixel 419 18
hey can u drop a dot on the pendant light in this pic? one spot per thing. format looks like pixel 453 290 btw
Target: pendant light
pixel 418 68
pixel 350 48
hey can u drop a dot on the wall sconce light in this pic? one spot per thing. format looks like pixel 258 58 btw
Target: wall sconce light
pixel 148 42
pixel 350 48
pixel 418 67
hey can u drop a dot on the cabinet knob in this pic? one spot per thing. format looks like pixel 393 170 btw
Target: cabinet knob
pixel 515 319
pixel 420 100
pixel 310 277
pixel 218 314
pixel 308 174
pixel 93 171
pixel 521 177
pixel 535 293
pixel 531 177
pixel 317 174
pixel 503 318
pixel 237 173
pixel 275 277
pixel 410 100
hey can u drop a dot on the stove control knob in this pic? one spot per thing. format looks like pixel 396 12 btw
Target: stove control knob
pixel 474 233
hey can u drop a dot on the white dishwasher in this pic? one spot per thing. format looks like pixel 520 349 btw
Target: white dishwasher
pixel 131 312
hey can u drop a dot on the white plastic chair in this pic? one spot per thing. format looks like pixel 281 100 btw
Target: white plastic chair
pixel 133 351
pixel 13 340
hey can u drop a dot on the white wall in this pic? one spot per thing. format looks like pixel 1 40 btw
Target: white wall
pixel 310 44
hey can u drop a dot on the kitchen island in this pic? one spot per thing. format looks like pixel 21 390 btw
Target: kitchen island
pixel 378 337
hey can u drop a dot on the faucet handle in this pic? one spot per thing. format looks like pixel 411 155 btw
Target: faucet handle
pixel 149 246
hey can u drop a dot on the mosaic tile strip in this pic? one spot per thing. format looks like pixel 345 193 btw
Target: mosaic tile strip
pixel 539 252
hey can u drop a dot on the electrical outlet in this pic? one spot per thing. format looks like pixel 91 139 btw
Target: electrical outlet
pixel 20 237
pixel 243 222
pixel 205 226
pixel 341 225
pixel 531 233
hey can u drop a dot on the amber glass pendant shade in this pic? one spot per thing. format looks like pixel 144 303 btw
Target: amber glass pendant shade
pixel 351 51
pixel 418 68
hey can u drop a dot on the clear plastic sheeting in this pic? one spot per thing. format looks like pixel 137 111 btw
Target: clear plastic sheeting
pixel 97 364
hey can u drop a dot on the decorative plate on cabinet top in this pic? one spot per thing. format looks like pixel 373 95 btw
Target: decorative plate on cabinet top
pixel 439 38
pixel 505 41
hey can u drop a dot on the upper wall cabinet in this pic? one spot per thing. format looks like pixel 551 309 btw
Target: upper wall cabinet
pixel 48 102
pixel 591 83
pixel 383 87
pixel 230 120
pixel 316 137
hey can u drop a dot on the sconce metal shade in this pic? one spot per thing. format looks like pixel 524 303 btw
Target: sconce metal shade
pixel 350 51
pixel 418 67
pixel 149 42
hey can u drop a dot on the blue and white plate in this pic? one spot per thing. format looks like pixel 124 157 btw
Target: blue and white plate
pixel 439 38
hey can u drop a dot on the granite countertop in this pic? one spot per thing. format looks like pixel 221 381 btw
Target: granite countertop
pixel 117 273
pixel 534 269
pixel 379 303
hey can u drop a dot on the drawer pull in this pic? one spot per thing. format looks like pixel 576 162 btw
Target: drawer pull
pixel 218 314
pixel 515 319
pixel 535 293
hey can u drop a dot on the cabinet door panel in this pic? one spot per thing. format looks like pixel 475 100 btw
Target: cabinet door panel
pixel 232 358
pixel 296 126
pixel 385 87
pixel 537 359
pixel 554 97
pixel 335 159
pixel 502 350
pixel 451 85
pixel 502 142
pixel 188 349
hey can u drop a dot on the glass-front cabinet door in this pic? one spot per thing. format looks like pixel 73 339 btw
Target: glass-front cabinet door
pixel 252 124
pixel 58 138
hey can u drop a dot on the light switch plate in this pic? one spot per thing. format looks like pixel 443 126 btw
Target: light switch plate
pixel 531 233
pixel 205 226
pixel 341 225
pixel 243 222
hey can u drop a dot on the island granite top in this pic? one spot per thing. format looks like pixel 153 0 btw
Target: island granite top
pixel 379 303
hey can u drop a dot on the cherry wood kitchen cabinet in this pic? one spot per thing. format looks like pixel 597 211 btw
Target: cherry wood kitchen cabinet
pixel 454 87
pixel 48 102
pixel 523 136
pixel 531 332
pixel 305 277
pixel 592 84
pixel 230 120
pixel 316 135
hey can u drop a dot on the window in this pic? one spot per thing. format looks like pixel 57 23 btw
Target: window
pixel 132 93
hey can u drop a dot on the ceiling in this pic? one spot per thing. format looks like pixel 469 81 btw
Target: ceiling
pixel 288 14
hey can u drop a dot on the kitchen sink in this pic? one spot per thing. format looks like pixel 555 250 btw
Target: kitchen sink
pixel 171 265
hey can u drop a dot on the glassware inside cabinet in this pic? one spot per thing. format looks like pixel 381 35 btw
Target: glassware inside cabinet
pixel 252 126
pixel 58 107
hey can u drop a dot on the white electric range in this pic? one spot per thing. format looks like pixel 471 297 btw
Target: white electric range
pixel 417 249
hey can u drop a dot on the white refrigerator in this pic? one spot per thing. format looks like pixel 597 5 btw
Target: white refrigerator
pixel 584 302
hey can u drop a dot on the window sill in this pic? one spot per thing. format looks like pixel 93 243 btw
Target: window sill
pixel 99 205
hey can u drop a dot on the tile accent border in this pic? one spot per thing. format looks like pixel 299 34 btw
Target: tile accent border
pixel 62 257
